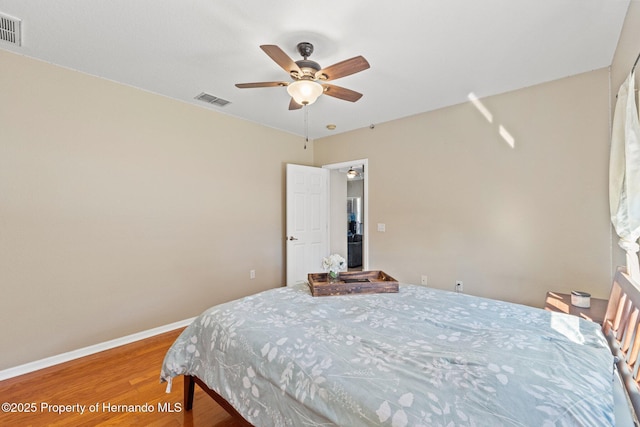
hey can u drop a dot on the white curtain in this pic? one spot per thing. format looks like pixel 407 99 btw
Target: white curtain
pixel 624 173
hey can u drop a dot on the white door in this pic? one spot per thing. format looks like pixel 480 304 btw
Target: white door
pixel 307 221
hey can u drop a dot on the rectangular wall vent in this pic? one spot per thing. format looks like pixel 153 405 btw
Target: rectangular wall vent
pixel 10 30
pixel 212 99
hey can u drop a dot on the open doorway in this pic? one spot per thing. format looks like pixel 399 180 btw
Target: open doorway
pixel 348 212
pixel 355 216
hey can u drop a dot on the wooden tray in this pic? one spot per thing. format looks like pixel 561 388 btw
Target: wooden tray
pixel 352 282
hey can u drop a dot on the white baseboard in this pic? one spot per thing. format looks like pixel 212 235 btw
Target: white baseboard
pixel 92 349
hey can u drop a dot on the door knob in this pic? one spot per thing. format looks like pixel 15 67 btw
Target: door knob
pixel 293 238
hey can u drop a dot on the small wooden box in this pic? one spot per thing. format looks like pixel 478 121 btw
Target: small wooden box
pixel 352 282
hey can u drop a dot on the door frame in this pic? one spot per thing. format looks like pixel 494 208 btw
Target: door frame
pixel 365 235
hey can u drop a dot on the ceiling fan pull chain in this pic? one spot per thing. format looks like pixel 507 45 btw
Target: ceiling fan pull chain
pixel 306 125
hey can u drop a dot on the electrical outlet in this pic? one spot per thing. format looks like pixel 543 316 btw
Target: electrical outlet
pixel 459 286
pixel 423 280
pixel 252 274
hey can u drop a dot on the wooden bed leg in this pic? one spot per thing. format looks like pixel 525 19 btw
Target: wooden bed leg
pixel 189 388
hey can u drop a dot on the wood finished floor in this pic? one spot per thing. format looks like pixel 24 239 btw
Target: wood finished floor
pixel 126 375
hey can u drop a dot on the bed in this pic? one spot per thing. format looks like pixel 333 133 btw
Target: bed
pixel 419 357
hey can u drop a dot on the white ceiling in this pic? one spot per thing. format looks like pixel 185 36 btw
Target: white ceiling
pixel 424 54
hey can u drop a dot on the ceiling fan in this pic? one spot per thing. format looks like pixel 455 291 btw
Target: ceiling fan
pixel 309 78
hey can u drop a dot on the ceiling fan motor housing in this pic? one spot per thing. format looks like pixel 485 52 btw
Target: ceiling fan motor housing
pixel 308 67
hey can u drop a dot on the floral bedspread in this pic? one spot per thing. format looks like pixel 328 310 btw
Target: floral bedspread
pixel 421 357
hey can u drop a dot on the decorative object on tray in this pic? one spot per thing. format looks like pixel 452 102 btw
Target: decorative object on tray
pixel 333 264
pixel 352 282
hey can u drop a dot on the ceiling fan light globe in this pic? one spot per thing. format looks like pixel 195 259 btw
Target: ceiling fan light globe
pixel 305 92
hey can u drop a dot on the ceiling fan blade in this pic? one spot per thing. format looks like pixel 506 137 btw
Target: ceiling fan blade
pixel 281 58
pixel 293 105
pixel 342 69
pixel 341 93
pixel 260 84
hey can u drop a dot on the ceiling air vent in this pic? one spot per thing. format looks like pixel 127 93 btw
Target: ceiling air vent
pixel 212 99
pixel 9 29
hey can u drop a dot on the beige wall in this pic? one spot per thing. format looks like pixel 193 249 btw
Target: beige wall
pixel 460 203
pixel 121 210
